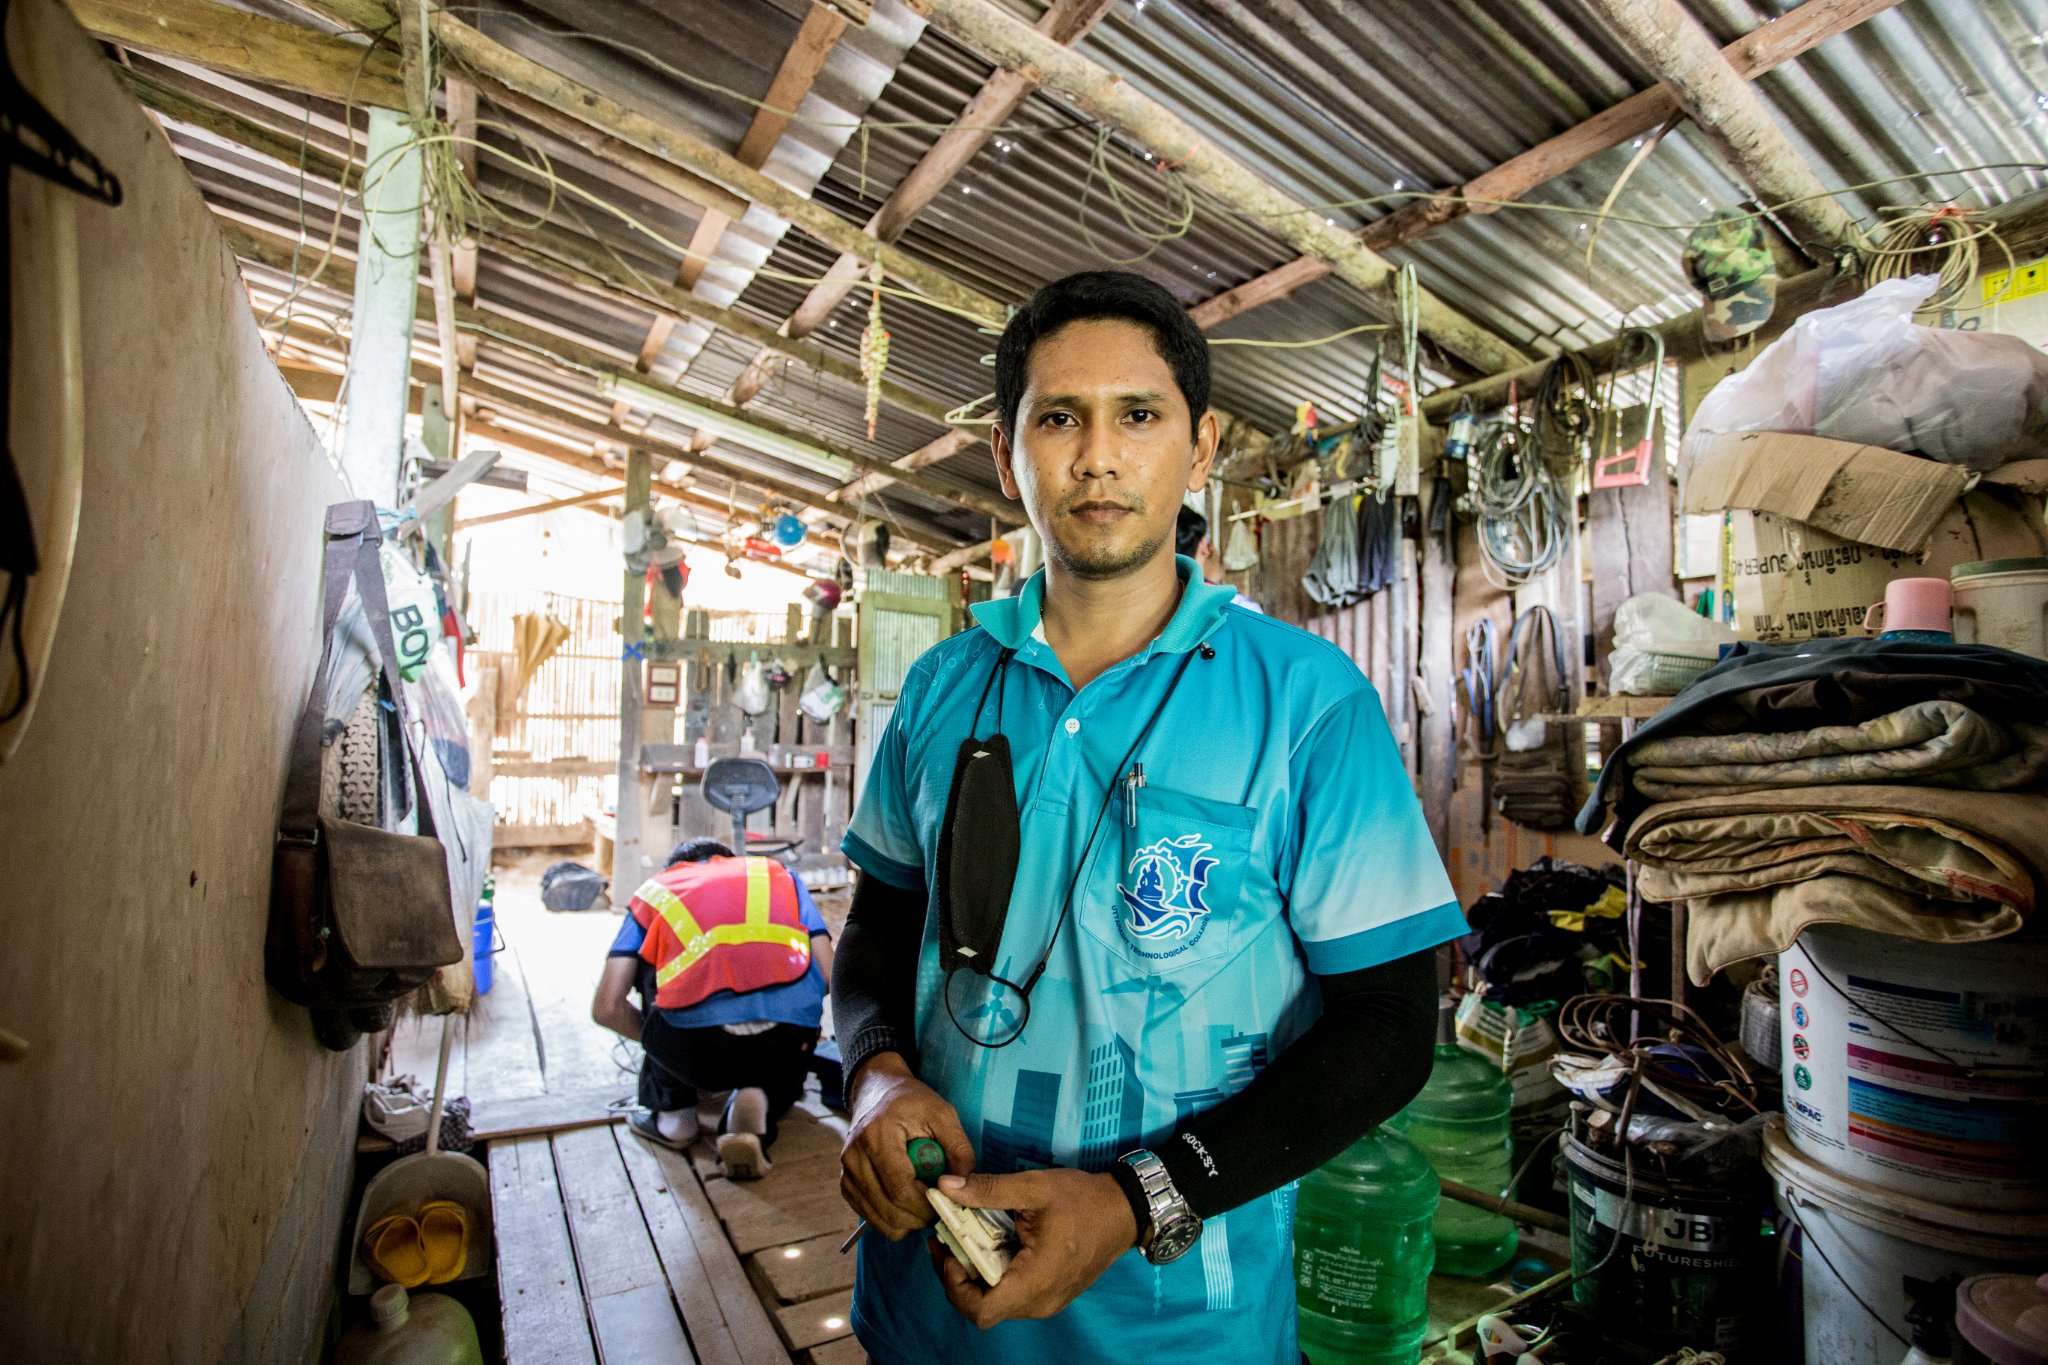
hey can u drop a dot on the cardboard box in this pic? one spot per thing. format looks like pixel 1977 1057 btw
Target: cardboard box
pixel 1859 493
pixel 1794 581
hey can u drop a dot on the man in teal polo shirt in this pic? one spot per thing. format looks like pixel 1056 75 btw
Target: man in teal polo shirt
pixel 1214 965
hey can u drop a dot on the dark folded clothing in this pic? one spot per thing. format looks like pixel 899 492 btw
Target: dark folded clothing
pixel 1775 688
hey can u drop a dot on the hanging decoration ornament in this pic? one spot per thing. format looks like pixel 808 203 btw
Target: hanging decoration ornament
pixel 874 349
pixel 789 531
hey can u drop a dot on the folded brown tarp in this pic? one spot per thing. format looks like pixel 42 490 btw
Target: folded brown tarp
pixel 1754 869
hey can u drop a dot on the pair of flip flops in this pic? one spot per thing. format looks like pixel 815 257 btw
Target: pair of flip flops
pixel 411 1251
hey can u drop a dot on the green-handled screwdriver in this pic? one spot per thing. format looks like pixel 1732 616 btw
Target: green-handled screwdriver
pixel 927 1158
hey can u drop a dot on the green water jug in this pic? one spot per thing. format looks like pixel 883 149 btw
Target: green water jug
pixel 1362 1251
pixel 1460 1123
pixel 420 1329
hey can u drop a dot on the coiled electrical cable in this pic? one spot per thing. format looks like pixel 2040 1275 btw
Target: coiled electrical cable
pixel 1518 507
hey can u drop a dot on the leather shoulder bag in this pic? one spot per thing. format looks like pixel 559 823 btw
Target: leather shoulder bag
pixel 358 914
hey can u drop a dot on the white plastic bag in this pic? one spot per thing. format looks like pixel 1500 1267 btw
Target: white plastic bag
pixel 821 697
pixel 1664 625
pixel 415 619
pixel 752 693
pixel 1864 372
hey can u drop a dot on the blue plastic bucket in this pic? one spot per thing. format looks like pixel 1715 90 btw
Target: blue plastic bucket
pixel 482 945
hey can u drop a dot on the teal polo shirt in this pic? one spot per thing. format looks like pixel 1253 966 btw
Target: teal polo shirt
pixel 1276 838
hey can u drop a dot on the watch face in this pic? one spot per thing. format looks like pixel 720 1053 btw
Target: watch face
pixel 1173 1239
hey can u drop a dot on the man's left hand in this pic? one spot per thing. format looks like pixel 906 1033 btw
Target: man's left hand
pixel 1072 1225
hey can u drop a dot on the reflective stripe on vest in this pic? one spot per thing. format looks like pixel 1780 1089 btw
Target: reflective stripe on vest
pixel 695 941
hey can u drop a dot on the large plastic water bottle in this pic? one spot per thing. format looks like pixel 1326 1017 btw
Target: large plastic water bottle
pixel 420 1329
pixel 1362 1252
pixel 1460 1123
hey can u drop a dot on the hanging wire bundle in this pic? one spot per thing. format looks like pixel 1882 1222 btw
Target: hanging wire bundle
pixel 1943 240
pixel 874 350
pixel 1518 505
pixel 1564 412
pixel 1155 224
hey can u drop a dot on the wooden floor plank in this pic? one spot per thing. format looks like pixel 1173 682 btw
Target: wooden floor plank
pixel 818 1321
pixel 843 1351
pixel 639 1327
pixel 546 1113
pixel 687 1277
pixel 613 1251
pixel 801 1138
pixel 544 1320
pixel 752 1330
pixel 793 1203
pixel 805 1270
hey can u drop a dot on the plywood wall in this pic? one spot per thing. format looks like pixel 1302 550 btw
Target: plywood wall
pixel 175 1148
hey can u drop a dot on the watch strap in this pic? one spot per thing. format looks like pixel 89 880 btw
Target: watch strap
pixel 1134 1191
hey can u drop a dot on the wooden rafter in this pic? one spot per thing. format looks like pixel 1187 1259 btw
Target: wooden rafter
pixel 791 85
pixel 1764 49
pixel 1673 45
pixel 556 349
pixel 1065 22
pixel 1112 101
pixel 222 38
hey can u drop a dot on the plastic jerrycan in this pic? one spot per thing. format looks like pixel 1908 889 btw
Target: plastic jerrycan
pixel 423 1329
pixel 1460 1124
pixel 1362 1253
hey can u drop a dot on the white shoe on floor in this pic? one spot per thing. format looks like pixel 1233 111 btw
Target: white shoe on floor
pixel 744 1156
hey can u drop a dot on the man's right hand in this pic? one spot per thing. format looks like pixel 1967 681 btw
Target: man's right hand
pixel 891 1108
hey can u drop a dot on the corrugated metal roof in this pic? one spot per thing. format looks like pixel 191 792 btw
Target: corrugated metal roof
pixel 1329 100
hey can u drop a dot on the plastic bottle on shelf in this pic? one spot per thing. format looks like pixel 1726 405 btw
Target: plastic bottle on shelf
pixel 1362 1253
pixel 423 1329
pixel 702 753
pixel 1460 1123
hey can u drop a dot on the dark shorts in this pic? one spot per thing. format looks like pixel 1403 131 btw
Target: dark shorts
pixel 682 1061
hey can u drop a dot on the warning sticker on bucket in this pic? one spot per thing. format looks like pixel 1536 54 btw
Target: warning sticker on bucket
pixel 1797 981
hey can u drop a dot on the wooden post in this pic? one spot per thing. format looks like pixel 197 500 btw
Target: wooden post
pixel 657 723
pixel 386 295
pixel 1665 38
pixel 1436 748
pixel 631 861
pixel 1101 95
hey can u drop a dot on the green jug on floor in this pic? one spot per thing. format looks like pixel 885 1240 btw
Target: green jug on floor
pixel 1460 1123
pixel 420 1329
pixel 1362 1253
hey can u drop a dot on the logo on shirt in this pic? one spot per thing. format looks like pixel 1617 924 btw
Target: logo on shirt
pixel 1163 913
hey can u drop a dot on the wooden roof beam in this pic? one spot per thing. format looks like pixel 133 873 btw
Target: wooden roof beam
pixel 556 349
pixel 222 38
pixel 791 85
pixel 1111 100
pixel 496 67
pixel 2022 223
pixel 1667 40
pixel 1764 49
pixel 1065 22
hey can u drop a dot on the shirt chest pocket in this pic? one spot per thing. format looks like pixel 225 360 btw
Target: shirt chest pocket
pixel 1166 893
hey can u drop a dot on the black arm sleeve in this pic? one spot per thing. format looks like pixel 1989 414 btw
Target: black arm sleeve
pixel 874 973
pixel 1352 1070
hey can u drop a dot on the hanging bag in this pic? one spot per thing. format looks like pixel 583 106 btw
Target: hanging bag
pixel 358 914
pixel 1539 778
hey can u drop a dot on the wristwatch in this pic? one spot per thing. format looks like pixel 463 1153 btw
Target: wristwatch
pixel 1170 1227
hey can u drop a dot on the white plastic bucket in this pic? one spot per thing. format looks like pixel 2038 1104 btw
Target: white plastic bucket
pixel 2002 602
pixel 1918 1067
pixel 1843 1271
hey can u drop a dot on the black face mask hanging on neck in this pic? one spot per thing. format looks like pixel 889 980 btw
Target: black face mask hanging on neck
pixel 979 843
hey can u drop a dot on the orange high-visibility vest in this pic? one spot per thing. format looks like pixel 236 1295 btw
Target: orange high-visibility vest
pixel 725 924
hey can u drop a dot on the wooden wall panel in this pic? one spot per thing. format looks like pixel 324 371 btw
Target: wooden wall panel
pixel 176 1145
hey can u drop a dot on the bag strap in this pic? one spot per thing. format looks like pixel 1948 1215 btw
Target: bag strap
pixel 1528 627
pixel 351 552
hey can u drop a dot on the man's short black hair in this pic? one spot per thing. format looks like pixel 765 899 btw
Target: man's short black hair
pixel 1189 531
pixel 1093 295
pixel 697 851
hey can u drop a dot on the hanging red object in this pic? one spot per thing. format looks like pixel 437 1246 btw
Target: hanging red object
pixel 762 549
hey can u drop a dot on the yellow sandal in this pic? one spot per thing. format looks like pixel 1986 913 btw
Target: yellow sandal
pixel 444 1233
pixel 394 1251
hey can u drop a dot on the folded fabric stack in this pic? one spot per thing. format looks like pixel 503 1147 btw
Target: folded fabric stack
pixel 1897 787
